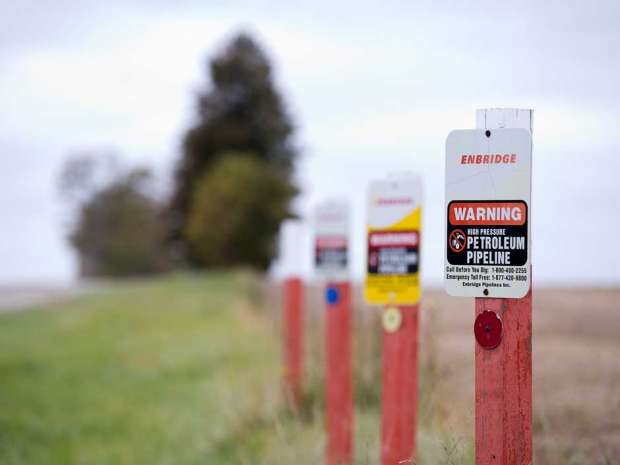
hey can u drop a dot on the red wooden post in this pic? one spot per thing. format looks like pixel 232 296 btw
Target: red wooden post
pixel 504 374
pixel 293 337
pixel 339 395
pixel 400 390
pixel 392 278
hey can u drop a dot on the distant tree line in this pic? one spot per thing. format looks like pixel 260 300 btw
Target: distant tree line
pixel 232 186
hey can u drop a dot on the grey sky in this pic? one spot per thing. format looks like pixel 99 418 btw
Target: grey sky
pixel 374 88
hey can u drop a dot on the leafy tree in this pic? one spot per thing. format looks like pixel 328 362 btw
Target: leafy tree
pixel 242 112
pixel 236 210
pixel 86 172
pixel 118 229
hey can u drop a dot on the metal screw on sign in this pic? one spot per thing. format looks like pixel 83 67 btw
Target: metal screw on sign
pixel 488 329
pixel 331 295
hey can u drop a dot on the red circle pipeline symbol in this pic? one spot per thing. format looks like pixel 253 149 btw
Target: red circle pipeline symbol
pixel 457 240
pixel 488 329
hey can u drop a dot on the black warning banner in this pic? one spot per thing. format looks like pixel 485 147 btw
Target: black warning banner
pixel 393 252
pixel 330 252
pixel 487 233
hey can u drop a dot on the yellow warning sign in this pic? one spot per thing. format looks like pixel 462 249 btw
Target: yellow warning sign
pixel 393 232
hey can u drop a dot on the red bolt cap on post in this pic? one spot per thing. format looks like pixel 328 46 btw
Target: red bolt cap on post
pixel 488 330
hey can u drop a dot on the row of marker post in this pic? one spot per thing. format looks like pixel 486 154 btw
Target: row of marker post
pixel 502 326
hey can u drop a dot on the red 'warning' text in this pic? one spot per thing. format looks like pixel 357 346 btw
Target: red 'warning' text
pixel 487 213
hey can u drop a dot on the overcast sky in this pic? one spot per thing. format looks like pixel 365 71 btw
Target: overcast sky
pixel 373 90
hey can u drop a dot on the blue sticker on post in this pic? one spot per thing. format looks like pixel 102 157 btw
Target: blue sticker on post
pixel 332 295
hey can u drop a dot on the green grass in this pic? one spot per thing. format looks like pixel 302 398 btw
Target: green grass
pixel 184 369
pixel 168 371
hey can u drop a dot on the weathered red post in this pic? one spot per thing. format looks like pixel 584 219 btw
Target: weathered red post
pixel 504 375
pixel 400 388
pixel 392 280
pixel 339 380
pixel 488 257
pixel 293 291
pixel 291 243
pixel 331 262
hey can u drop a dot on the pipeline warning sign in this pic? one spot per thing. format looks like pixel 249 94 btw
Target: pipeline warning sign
pixel 393 241
pixel 330 252
pixel 487 233
pixel 488 184
pixel 331 240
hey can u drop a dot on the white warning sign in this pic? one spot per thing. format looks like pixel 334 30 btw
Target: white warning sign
pixel 393 238
pixel 488 193
pixel 331 239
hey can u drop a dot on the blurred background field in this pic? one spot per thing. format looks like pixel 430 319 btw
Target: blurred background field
pixel 186 369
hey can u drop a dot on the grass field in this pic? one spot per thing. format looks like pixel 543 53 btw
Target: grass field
pixel 169 371
pixel 185 370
